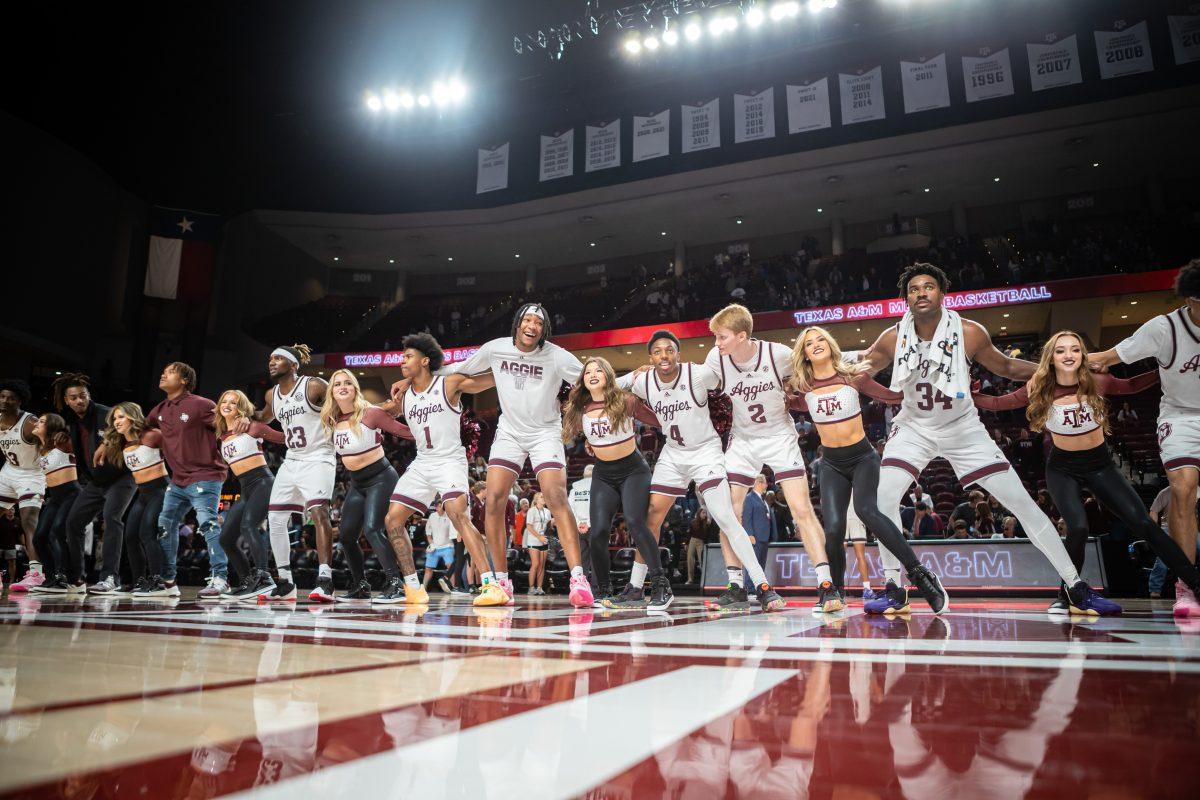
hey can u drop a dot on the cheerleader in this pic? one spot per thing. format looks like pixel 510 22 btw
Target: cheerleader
pixel 141 447
pixel 1065 398
pixel 243 521
pixel 57 464
pixel 357 429
pixel 604 413
pixel 829 395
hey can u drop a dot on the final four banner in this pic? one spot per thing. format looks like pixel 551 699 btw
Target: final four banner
pixel 652 136
pixel 754 115
pixel 701 122
pixel 602 145
pixel 1054 61
pixel 1185 37
pixel 1123 48
pixel 492 172
pixel 808 105
pixel 924 83
pixel 557 157
pixel 862 95
pixel 987 73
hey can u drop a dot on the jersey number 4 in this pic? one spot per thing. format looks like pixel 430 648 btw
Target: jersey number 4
pixel 930 396
pixel 676 437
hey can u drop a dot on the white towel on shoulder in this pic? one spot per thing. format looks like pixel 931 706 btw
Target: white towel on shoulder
pixel 947 369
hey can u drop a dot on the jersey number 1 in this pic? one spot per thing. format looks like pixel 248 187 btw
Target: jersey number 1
pixel 428 440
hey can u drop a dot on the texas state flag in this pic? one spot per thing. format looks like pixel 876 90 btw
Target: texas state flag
pixel 182 254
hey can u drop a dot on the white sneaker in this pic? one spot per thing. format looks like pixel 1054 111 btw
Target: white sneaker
pixel 216 585
pixel 104 586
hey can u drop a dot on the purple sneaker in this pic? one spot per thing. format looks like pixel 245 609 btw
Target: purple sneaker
pixel 894 600
pixel 1086 602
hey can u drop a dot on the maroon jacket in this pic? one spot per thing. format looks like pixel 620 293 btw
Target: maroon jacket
pixel 189 443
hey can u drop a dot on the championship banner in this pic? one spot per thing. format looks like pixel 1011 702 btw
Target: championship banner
pixel 862 95
pixel 701 123
pixel 808 105
pixel 754 115
pixel 924 83
pixel 1185 38
pixel 1124 49
pixel 1054 62
pixel 602 145
pixel 651 136
pixel 492 172
pixel 987 74
pixel 557 157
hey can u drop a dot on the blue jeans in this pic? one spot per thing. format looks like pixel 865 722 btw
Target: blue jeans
pixel 203 497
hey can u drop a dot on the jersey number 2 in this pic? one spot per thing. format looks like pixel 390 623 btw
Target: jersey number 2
pixel 757 413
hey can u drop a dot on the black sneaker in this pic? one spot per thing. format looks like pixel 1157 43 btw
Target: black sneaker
pixel 930 588
pixel 151 586
pixel 56 584
pixel 257 584
pixel 734 596
pixel 661 595
pixel 769 599
pixel 894 600
pixel 628 594
pixel 359 594
pixel 240 590
pixel 1061 607
pixel 124 590
pixel 829 599
pixel 323 591
pixel 392 594
pixel 283 592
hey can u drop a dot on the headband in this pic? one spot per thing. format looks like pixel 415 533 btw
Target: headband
pixel 283 352
pixel 536 310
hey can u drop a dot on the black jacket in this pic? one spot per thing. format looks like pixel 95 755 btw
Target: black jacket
pixel 90 425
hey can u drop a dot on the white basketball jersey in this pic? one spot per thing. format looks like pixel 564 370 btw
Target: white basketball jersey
pixel 757 391
pixel 18 453
pixel 1174 341
pixel 306 438
pixel 681 406
pixel 526 383
pixel 435 423
pixel 924 403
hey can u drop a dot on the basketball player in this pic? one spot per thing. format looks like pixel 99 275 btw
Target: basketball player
pixel 22 483
pixel 1067 400
pixel 529 370
pixel 930 352
pixel 753 374
pixel 432 406
pixel 1174 340
pixel 677 394
pixel 306 476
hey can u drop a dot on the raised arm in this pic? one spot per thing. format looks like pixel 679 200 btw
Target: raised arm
pixel 1004 402
pixel 875 390
pixel 990 358
pixel 1110 386
pixel 315 390
pixel 460 384
pixel 880 354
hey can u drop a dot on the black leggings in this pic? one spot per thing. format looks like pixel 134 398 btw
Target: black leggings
pixel 112 500
pixel 1067 472
pixel 856 467
pixel 364 512
pixel 142 546
pixel 50 539
pixel 244 520
pixel 622 485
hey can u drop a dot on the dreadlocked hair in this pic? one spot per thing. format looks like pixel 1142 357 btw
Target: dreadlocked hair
pixel 302 352
pixel 520 315
pixel 581 396
pixel 68 380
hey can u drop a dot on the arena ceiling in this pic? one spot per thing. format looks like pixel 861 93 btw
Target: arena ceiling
pixel 1044 155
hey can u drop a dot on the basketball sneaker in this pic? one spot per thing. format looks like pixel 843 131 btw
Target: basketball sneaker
pixel 1061 607
pixel 734 596
pixel 629 598
pixel 32 578
pixel 769 599
pixel 507 586
pixel 151 587
pixel 930 588
pixel 392 594
pixel 581 592
pixel 894 600
pixel 829 599
pixel 492 594
pixel 213 591
pixel 55 585
pixel 103 586
pixel 282 592
pixel 323 591
pixel 359 594
pixel 1185 601
pixel 1084 601
pixel 661 595
pixel 415 597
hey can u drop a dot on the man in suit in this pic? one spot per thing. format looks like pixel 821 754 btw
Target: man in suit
pixel 758 518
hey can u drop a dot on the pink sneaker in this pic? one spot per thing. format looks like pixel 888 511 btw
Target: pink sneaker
pixel 1185 601
pixel 581 592
pixel 507 586
pixel 35 578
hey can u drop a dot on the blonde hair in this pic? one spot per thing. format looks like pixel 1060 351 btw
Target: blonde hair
pixel 114 442
pixel 244 406
pixel 580 396
pixel 1041 386
pixel 330 410
pixel 802 369
pixel 734 317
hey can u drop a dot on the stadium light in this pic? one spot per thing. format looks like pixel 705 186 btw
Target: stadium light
pixel 670 38
pixel 407 100
pixel 374 103
pixel 754 16
pixel 651 43
pixel 781 11
pixel 692 31
pixel 458 91
pixel 391 101
pixel 423 101
pixel 633 45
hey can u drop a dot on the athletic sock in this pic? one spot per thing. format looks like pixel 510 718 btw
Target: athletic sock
pixel 411 581
pixel 324 571
pixel 501 576
pixel 735 576
pixel 576 572
pixel 35 566
pixel 823 575
pixel 487 578
pixel 285 574
pixel 866 584
pixel 637 578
